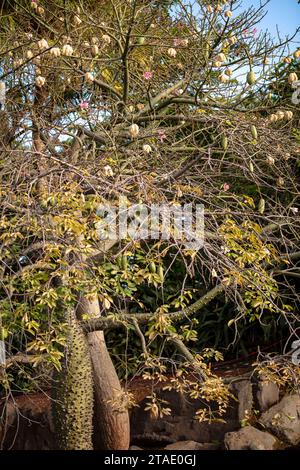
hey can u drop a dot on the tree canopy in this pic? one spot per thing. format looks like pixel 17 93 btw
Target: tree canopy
pixel 132 102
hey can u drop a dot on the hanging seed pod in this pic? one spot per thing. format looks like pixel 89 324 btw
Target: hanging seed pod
pixel 89 77
pixel 55 52
pixel 152 267
pixel 223 78
pixel 280 115
pixel 134 130
pixel 288 115
pixel 261 206
pixel 251 78
pixel 293 77
pixel 124 262
pixel 251 167
pixel 224 143
pixel 280 181
pixel 67 50
pixel 29 54
pixel 160 273
pixel 95 50
pixel 254 132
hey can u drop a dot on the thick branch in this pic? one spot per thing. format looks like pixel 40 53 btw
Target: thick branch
pixel 103 323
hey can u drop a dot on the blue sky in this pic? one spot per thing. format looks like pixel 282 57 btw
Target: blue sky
pixel 284 13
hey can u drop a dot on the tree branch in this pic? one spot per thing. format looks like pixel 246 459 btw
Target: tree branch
pixel 115 321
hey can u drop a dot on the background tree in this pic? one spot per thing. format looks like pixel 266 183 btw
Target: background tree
pixel 117 99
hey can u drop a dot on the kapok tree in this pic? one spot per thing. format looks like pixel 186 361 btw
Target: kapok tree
pixel 154 103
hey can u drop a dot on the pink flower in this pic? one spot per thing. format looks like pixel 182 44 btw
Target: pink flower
pixel 226 186
pixel 84 105
pixel 147 75
pixel 245 32
pixel 255 31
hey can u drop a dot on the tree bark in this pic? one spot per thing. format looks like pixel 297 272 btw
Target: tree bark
pixel 111 420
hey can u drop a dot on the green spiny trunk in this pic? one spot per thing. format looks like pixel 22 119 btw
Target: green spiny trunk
pixel 73 393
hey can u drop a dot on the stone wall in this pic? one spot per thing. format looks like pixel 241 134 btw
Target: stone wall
pixel 26 423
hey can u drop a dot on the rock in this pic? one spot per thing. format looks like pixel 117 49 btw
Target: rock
pixel 191 445
pixel 283 419
pixel 250 438
pixel 180 425
pixel 135 448
pixel 243 392
pixel 266 393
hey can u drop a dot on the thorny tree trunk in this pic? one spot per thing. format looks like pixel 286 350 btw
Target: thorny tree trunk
pixel 73 392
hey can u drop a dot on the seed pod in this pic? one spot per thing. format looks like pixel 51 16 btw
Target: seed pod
pixel 55 52
pixel 288 115
pixel 223 78
pixel 232 40
pixel 42 44
pixel 40 81
pixel 141 40
pixel 217 63
pixel 77 21
pixel 280 115
pixel 134 130
pixel 124 262
pixel 273 118
pixel 29 54
pixel 251 167
pixel 221 57
pixel 251 79
pixel 172 52
pixel 106 39
pixel 280 181
pixel 261 206
pixel 95 50
pixel 152 267
pixel 270 160
pixel 254 132
pixel 147 149
pixel 2 334
pixel 160 272
pixel 224 143
pixel 89 77
pixel 293 77
pixel 67 50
